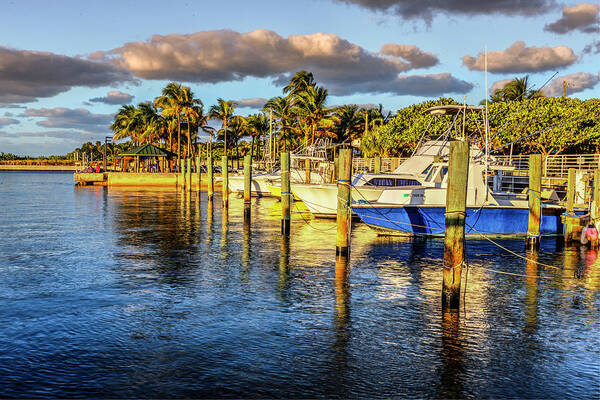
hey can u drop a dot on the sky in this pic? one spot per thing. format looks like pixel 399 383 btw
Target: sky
pixel 66 67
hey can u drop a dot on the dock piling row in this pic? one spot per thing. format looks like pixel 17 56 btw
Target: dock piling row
pixel 534 194
pixel 343 219
pixel 570 219
pixel 285 193
pixel 454 238
pixel 225 181
pixel 209 173
pixel 247 185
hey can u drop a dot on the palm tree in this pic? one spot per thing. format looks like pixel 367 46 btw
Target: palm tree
pixel 170 125
pixel 349 122
pixel 223 111
pixel 282 109
pixel 151 122
pixel 125 122
pixel 258 126
pixel 236 129
pixel 311 107
pixel 172 102
pixel 301 81
pixel 517 89
pixel 191 108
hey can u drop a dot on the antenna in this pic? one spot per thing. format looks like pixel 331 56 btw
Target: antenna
pixel 486 126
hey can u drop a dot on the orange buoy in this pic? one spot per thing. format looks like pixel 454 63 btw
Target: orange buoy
pixel 591 233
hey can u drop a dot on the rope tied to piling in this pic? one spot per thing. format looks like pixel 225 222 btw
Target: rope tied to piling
pixel 459 212
pixel 460 264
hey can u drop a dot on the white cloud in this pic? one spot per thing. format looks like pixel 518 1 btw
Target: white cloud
pixel 499 85
pixel 577 82
pixel 226 55
pixel 416 57
pixel 520 58
pixel 27 75
pixel 254 102
pixel 8 121
pixel 582 17
pixel 65 118
pixel 113 97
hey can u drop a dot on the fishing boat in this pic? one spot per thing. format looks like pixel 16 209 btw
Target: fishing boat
pixel 261 182
pixel 321 199
pixel 420 210
pixel 316 154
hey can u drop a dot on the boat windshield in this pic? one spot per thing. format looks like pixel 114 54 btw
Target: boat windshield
pixel 391 182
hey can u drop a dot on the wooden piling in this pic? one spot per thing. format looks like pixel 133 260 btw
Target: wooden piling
pixel 225 181
pixel 307 170
pixel 209 177
pixel 285 193
pixel 342 243
pixel 336 169
pixel 377 167
pixel 595 209
pixel 570 220
pixel 535 201
pixel 247 185
pixel 454 239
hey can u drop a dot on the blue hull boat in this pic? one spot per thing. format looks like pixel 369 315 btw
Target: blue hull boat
pixel 430 220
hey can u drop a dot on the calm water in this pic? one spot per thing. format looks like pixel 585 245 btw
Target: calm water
pixel 131 293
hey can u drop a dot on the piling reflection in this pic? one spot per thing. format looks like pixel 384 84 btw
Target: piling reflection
pixel 224 231
pixel 247 232
pixel 154 233
pixel 342 312
pixel 531 291
pixel 572 268
pixel 209 219
pixel 453 369
pixel 284 264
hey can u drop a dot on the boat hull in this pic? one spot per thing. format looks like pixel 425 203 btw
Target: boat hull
pixel 258 185
pixel 321 200
pixel 430 220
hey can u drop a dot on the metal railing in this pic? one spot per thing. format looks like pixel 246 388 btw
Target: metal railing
pixel 554 165
pixel 388 164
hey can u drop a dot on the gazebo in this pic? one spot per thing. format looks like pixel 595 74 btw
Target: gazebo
pixel 154 158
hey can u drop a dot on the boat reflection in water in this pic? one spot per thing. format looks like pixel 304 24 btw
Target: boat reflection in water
pixel 145 293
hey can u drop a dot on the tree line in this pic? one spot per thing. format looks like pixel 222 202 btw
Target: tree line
pixel 296 118
pixel 535 124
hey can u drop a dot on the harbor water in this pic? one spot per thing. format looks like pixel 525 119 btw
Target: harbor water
pixel 125 293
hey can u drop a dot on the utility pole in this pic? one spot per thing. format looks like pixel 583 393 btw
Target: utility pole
pixel 104 164
pixel 565 86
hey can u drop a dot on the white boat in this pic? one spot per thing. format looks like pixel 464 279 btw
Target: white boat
pixel 420 210
pixel 321 200
pixel 261 181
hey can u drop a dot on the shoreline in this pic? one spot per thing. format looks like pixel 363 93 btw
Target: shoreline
pixel 39 168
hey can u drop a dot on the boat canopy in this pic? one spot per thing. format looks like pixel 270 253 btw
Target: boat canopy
pixel 451 109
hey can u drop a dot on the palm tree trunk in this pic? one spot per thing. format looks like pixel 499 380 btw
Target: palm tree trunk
pixel 252 149
pixel 225 134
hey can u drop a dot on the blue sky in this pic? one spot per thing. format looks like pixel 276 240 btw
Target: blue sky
pixel 56 56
